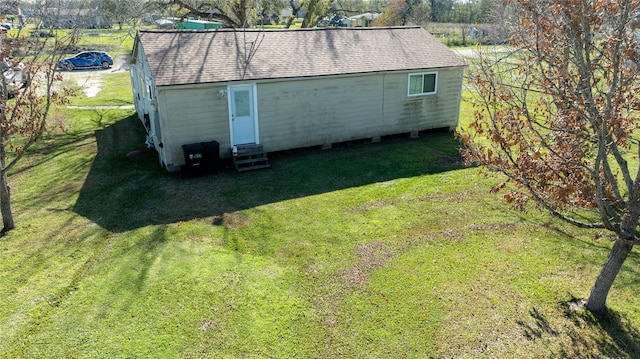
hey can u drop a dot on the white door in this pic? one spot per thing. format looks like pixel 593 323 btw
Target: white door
pixel 243 115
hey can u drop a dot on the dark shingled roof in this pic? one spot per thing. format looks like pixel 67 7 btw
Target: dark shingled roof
pixel 179 57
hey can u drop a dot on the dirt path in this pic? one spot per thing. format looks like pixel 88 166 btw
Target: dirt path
pixel 90 81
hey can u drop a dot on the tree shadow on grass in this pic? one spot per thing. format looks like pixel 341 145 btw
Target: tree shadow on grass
pixel 610 335
pixel 621 331
pixel 122 193
pixel 613 334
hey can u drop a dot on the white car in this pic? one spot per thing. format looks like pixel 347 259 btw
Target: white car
pixel 12 77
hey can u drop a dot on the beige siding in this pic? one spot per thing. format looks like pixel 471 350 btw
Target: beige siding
pixel 138 71
pixel 403 113
pixel 140 78
pixel 192 115
pixel 309 112
pixel 312 112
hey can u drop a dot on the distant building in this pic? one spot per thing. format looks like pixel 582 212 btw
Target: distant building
pixel 363 20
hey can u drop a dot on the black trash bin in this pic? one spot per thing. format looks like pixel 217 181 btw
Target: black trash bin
pixel 212 156
pixel 194 159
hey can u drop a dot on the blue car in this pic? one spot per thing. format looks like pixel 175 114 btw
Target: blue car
pixel 87 59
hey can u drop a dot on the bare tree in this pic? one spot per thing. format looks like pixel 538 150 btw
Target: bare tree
pixel 27 93
pixel 234 13
pixel 351 7
pixel 244 13
pixel 560 120
pixel 122 11
pixel 10 7
pixel 500 14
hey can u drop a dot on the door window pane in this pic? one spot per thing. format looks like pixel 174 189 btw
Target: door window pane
pixel 242 103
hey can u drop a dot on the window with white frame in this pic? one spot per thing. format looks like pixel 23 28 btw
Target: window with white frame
pixel 423 84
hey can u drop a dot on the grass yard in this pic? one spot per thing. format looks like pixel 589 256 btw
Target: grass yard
pixel 375 250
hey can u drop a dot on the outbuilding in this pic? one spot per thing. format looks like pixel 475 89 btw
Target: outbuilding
pixel 285 89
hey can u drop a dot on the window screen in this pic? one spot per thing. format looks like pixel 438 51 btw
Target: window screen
pixel 423 84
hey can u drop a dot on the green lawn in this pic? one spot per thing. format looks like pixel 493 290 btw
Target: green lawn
pixel 375 250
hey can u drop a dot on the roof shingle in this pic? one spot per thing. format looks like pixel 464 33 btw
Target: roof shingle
pixel 192 57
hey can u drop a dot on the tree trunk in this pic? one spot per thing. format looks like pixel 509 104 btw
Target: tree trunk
pixel 5 203
pixel 310 15
pixel 598 297
pixel 463 30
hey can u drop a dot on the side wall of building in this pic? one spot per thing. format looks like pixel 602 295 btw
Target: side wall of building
pixel 145 99
pixel 192 115
pixel 319 111
pixel 308 112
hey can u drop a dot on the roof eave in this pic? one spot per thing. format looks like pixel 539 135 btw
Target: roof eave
pixel 302 78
